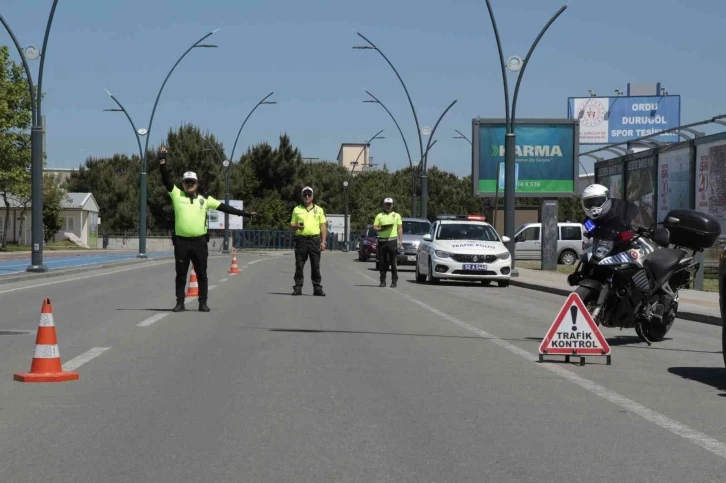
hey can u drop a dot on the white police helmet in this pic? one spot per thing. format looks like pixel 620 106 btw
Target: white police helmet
pixel 596 201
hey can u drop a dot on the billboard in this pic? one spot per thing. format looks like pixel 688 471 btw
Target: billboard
pixel 610 120
pixel 545 157
pixel 640 188
pixel 674 181
pixel 711 180
pixel 610 175
pixel 216 218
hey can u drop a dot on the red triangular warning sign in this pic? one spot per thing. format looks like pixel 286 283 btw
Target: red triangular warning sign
pixel 574 332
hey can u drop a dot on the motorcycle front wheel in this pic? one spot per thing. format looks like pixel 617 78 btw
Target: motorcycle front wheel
pixel 589 298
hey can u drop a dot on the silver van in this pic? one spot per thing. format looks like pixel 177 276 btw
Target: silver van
pixel 570 240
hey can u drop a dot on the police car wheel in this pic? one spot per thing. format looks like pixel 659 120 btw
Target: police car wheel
pixel 486 283
pixel 504 283
pixel 430 276
pixel 419 278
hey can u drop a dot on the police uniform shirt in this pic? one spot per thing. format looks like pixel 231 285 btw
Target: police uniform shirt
pixel 393 219
pixel 311 218
pixel 190 214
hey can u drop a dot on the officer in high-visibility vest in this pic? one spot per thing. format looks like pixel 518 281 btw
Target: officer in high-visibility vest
pixel 190 230
pixel 311 232
pixel 389 226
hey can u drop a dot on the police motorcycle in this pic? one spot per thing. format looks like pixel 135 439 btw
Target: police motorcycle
pixel 630 278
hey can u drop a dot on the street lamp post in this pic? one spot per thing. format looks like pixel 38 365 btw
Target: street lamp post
pixel 424 178
pixel 264 100
pixel 145 153
pixel 345 222
pixel 509 143
pixel 346 184
pixel 408 152
pixel 372 46
pixel 36 139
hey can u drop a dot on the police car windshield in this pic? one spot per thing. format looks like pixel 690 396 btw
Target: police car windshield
pixel 467 231
pixel 415 227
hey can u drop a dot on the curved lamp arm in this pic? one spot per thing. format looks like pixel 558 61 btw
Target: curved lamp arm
pixel 158 96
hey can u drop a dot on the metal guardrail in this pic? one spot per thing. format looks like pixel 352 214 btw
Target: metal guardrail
pixel 280 240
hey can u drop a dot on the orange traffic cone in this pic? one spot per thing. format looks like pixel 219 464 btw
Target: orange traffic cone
pixel 235 268
pixel 193 290
pixel 46 365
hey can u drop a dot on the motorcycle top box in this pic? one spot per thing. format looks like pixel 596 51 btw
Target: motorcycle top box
pixel 692 229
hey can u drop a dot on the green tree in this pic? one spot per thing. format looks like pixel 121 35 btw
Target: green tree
pixel 15 120
pixel 53 197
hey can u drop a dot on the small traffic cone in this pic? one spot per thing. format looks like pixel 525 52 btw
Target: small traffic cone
pixel 46 365
pixel 193 290
pixel 235 268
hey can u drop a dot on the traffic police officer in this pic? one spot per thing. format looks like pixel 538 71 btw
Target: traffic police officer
pixel 311 231
pixel 389 226
pixel 190 230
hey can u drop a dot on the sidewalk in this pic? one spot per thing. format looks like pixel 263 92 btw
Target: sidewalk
pixel 693 305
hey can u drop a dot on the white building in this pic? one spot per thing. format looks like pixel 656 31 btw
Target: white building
pixel 79 212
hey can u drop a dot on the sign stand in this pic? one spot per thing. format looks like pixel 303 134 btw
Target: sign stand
pixel 574 333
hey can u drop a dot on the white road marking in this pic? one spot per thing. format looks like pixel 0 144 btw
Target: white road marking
pixel 224 280
pixel 84 277
pixel 700 439
pixel 151 320
pixel 77 362
pixel 212 286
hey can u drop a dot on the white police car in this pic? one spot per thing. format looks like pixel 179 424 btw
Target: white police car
pixel 463 248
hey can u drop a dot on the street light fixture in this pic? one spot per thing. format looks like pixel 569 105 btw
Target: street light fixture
pixel 461 136
pixel 36 139
pixel 144 153
pixel 510 141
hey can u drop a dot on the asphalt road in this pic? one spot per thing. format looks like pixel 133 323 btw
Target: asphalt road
pixel 415 384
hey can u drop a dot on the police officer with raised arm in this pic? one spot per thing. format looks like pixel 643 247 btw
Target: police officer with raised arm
pixel 389 226
pixel 311 232
pixel 190 230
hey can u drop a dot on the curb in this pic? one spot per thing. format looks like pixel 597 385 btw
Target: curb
pixel 690 316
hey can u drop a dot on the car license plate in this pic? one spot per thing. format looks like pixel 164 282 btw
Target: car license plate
pixel 412 258
pixel 473 266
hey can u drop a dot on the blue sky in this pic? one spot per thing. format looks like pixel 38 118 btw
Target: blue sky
pixel 301 50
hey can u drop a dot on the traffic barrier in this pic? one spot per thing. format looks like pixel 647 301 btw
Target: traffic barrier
pixel 235 268
pixel 193 290
pixel 46 365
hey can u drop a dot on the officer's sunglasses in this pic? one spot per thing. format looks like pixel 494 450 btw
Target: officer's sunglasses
pixel 189 182
pixel 307 194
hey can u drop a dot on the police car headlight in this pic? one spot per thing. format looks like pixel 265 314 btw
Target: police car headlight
pixel 442 254
pixel 503 256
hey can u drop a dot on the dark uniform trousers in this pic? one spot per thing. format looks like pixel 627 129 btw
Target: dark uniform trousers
pixel 307 246
pixel 193 250
pixel 387 251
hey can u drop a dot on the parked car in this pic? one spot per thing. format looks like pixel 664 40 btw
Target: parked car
pixel 571 242
pixel 463 249
pixel 722 299
pixel 368 245
pixel 413 231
